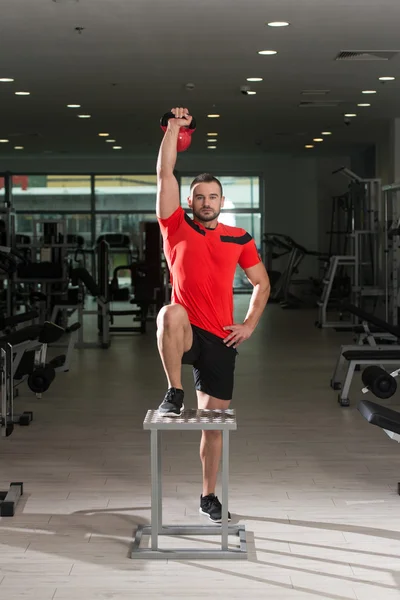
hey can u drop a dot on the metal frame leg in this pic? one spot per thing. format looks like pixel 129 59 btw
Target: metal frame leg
pixel 225 489
pixel 155 478
pixel 159 483
pixel 339 366
pixel 80 330
pixel 347 382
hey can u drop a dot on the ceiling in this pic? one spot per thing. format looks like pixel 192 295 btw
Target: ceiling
pixel 133 58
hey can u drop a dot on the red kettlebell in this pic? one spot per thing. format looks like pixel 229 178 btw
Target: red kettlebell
pixel 185 133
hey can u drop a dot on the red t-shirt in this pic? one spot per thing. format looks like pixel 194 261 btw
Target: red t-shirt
pixel 202 263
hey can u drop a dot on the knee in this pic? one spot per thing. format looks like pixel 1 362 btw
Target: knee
pixel 172 316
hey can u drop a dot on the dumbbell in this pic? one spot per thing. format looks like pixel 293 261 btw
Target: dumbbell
pixel 185 133
pixel 381 383
pixel 40 379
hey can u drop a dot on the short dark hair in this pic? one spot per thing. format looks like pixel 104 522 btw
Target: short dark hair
pixel 205 178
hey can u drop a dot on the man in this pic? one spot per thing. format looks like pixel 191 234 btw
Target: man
pixel 197 328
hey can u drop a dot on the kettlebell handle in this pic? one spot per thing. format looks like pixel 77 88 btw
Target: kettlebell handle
pixel 169 115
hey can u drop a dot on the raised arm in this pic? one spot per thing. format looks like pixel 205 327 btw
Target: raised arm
pixel 167 185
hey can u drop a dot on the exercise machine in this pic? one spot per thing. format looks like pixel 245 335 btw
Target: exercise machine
pixel 360 355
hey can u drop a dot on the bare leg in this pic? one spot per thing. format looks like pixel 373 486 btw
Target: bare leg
pixel 174 337
pixel 211 444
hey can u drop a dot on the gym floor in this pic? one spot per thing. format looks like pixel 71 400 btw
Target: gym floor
pixel 315 485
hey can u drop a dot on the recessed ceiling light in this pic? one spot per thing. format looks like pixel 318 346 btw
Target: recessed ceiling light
pixel 84 116
pixel 111 141
pixel 387 78
pixel 212 133
pixel 212 140
pixel 73 105
pixel 213 116
pixel 278 24
pixel 326 132
pixel 254 79
pixel 368 92
pixel 18 147
pixel 117 147
pixel 4 141
pixel 104 134
pixel 251 93
pixel 309 146
pixel 318 140
pixel 350 115
pixel 22 93
pixel 267 52
pixel 365 104
pixel 212 147
pixel 6 80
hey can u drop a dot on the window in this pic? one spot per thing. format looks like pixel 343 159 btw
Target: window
pixel 51 192
pixel 251 222
pixel 126 192
pixel 128 224
pixel 79 224
pixel 2 190
pixel 122 223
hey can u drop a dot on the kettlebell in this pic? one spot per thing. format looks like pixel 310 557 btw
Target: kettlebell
pixel 185 133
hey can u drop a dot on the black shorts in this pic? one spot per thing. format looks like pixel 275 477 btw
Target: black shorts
pixel 213 364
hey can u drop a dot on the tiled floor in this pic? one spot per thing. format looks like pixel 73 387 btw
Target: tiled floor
pixel 315 485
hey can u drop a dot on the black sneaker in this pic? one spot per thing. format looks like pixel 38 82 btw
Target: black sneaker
pixel 212 507
pixel 172 405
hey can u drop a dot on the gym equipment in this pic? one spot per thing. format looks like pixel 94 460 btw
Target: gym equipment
pixel 283 281
pixel 9 499
pixel 383 417
pixel 381 383
pixel 185 133
pixel 41 377
pixel 52 254
pixel 275 247
pixel 9 324
pixel 190 420
pixel 391 248
pixel 82 278
pixel 368 336
pixel 364 355
pixel 370 250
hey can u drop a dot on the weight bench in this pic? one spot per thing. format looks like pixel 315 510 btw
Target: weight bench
pixel 383 417
pixel 336 381
pixel 364 357
pixel 372 354
pixel 190 420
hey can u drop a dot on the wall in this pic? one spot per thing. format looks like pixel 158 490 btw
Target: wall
pixel 384 159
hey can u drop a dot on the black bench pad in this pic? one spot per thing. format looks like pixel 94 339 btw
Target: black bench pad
pixel 378 415
pixel 372 355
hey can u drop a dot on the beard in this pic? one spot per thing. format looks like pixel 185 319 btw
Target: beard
pixel 206 217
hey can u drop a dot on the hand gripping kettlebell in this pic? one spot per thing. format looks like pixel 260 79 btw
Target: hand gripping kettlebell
pixel 185 133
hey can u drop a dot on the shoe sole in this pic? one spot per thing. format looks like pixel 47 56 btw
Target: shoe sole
pixel 212 520
pixel 171 414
